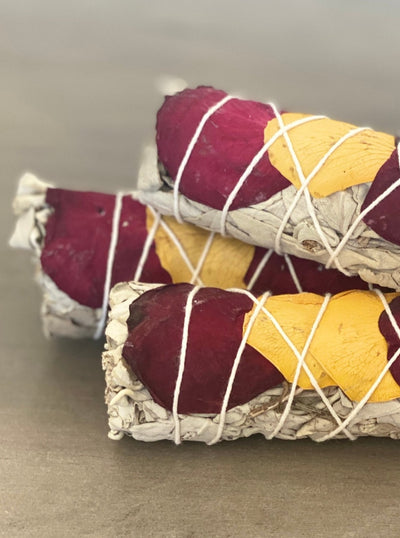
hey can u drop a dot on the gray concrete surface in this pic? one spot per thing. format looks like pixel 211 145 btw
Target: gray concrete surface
pixel 77 101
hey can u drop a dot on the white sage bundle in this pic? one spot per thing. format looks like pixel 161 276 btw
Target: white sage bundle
pixel 304 185
pixel 85 242
pixel 186 388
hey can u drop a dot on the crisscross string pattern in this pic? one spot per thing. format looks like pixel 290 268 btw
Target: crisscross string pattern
pixel 305 181
pixel 195 270
pixel 158 221
pixel 283 131
pixel 334 253
pixel 260 306
pixel 362 214
pixel 357 408
pixel 300 356
pixel 256 159
pixel 342 424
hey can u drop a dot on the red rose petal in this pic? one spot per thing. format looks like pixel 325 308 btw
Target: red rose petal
pixel 388 331
pixel 384 219
pixel 153 346
pixel 313 277
pixel 230 139
pixel 77 242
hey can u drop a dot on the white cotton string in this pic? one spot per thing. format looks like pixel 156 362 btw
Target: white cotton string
pixel 297 354
pixel 310 375
pixel 362 402
pixel 307 194
pixel 110 263
pixel 235 366
pixel 203 257
pixel 189 150
pixel 147 246
pixel 182 359
pixel 293 273
pixel 364 212
pixel 300 364
pixel 181 250
pixel 263 262
pixel 353 414
pixel 357 221
pixel 307 181
pixel 256 159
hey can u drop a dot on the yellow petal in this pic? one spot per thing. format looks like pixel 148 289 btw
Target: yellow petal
pixel 347 350
pixel 296 315
pixel 351 348
pixel 355 161
pixel 224 266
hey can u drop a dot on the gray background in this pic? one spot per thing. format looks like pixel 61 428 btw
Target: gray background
pixel 78 96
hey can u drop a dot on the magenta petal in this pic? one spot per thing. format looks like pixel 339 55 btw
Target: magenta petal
pixel 77 241
pixel 153 346
pixel 228 142
pixel 313 277
pixel 388 331
pixel 384 219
